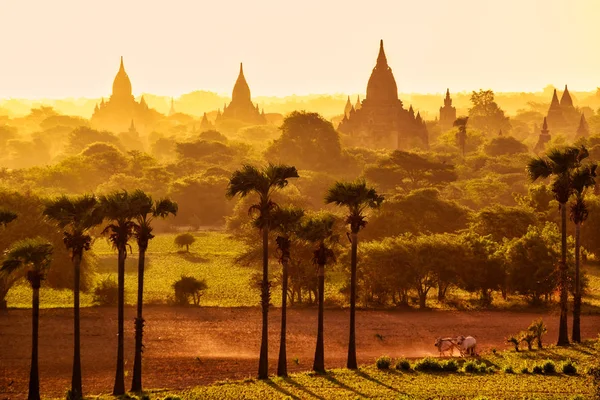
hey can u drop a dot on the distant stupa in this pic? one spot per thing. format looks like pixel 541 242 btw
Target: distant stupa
pixel 543 139
pixel 121 109
pixel 241 107
pixel 447 113
pixel 562 115
pixel 381 119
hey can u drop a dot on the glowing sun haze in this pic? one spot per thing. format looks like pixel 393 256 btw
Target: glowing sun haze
pixel 71 48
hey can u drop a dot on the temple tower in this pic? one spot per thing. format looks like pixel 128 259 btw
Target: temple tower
pixel 543 138
pixel 447 113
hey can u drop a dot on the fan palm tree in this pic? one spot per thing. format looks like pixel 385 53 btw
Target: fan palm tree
pixel 461 135
pixel 560 164
pixel 357 197
pixel 145 210
pixel 119 209
pixel 285 221
pixel 34 255
pixel 77 215
pixel 6 217
pixel 262 182
pixel 583 178
pixel 318 230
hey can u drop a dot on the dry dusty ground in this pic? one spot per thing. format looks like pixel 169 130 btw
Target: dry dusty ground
pixel 187 347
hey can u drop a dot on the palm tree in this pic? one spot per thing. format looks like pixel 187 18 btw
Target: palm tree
pixel 318 229
pixel 262 182
pixel 145 210
pixel 77 215
pixel 358 198
pixel 583 178
pixel 6 217
pixel 119 209
pixel 461 135
pixel 285 221
pixel 561 164
pixel 34 255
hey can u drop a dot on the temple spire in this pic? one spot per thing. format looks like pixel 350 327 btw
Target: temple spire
pixel 241 90
pixel 555 102
pixel 381 58
pixel 566 100
pixel 172 110
pixel 583 130
pixel 348 107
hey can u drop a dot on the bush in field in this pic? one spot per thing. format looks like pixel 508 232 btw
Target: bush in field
pixel 509 370
pixel 185 240
pixel 514 341
pixel 428 364
pixel 186 287
pixel 538 329
pixel 569 368
pixel 107 292
pixel 471 367
pixel 549 367
pixel 383 362
pixel 403 364
pixel 450 366
pixel 537 369
pixel 528 338
pixel 525 370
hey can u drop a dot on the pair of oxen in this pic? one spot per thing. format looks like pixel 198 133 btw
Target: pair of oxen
pixel 465 345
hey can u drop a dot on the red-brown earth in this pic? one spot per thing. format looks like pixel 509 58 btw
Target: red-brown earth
pixel 186 347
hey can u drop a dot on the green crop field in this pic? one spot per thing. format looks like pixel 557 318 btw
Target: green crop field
pixel 369 382
pixel 213 258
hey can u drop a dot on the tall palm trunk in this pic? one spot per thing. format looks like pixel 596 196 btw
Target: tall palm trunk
pixel 136 385
pixel 319 364
pixel 263 363
pixel 352 343
pixel 119 387
pixel 282 364
pixel 563 329
pixel 34 376
pixel 76 387
pixel 577 300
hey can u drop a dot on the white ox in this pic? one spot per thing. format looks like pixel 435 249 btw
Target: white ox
pixel 466 345
pixel 445 344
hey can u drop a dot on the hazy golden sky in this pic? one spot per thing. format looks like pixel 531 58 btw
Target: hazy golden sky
pixel 71 48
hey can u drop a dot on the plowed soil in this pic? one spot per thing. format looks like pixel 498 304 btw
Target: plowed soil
pixel 186 347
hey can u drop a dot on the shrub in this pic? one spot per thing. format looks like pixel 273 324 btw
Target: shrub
pixel 537 369
pixel 450 366
pixel 524 370
pixel 403 364
pixel 569 368
pixel 185 240
pixel 549 367
pixel 528 338
pixel 515 342
pixel 471 367
pixel 538 329
pixel 107 292
pixel 186 287
pixel 509 370
pixel 383 362
pixel 428 364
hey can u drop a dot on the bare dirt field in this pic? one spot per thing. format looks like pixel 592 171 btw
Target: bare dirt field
pixel 187 347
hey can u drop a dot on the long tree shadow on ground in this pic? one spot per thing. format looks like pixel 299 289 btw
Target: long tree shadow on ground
pixel 281 390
